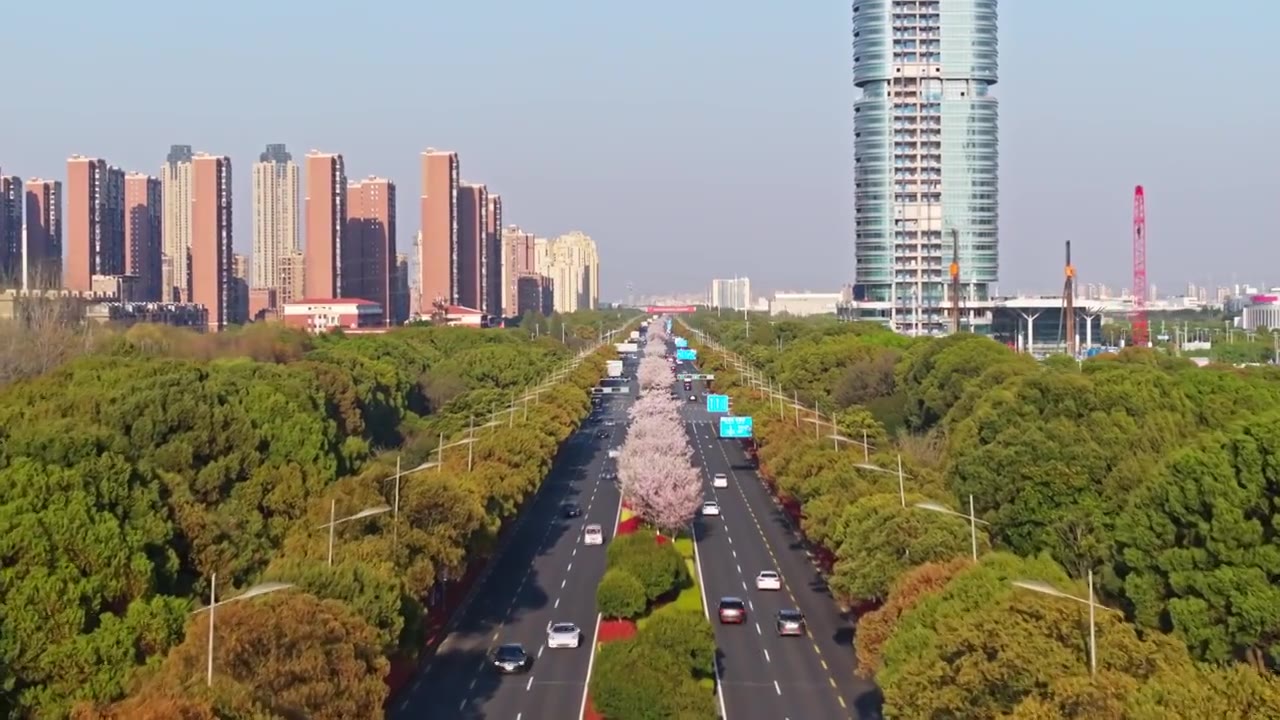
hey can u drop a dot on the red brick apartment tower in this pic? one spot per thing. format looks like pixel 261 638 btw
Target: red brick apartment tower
pixel 438 276
pixel 326 254
pixel 42 249
pixel 11 203
pixel 211 239
pixel 371 227
pixel 491 261
pixel 143 249
pixel 473 220
pixel 95 222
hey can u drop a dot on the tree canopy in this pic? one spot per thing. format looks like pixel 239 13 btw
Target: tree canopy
pixel 1155 475
pixel 131 474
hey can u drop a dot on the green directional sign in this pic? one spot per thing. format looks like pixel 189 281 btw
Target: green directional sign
pixel 691 376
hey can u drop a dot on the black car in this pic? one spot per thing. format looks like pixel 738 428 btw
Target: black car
pixel 602 434
pixel 688 386
pixel 510 658
pixel 570 510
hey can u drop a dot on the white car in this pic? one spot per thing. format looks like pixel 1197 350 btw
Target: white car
pixel 720 481
pixel 768 580
pixel 563 635
pixel 711 507
pixel 593 534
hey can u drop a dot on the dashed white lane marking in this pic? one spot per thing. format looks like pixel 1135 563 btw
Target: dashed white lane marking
pixel 777 687
pixel 758 630
pixel 529 686
pixel 766 656
pixel 557 605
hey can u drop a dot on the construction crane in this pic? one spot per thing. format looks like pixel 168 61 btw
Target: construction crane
pixel 1069 303
pixel 1140 335
pixel 955 280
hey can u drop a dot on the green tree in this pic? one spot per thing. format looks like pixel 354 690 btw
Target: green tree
pixel 879 540
pixel 1197 549
pixel 658 566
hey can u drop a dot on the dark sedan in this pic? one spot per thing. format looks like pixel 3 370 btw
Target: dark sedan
pixel 570 510
pixel 511 658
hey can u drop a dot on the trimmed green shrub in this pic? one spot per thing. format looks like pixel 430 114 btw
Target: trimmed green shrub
pixel 686 635
pixel 620 595
pixel 658 566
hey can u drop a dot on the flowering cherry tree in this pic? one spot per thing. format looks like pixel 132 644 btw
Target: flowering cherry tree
pixel 655 466
pixel 654 373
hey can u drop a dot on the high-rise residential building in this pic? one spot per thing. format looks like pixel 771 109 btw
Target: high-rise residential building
pixel 328 255
pixel 493 261
pixel 240 300
pixel 143 244
pixel 573 264
pixel 293 278
pixel 731 294
pixel 925 157
pixel 275 218
pixel 11 202
pixel 473 224
pixel 400 290
pixel 438 245
pixel 517 262
pixel 42 235
pixel 212 278
pixel 95 222
pixel 175 232
pixel 371 232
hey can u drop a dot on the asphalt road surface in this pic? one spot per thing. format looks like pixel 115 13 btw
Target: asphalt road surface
pixel 762 675
pixel 543 573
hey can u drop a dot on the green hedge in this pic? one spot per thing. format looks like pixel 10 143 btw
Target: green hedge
pixel 659 673
pixel 658 566
pixel 620 595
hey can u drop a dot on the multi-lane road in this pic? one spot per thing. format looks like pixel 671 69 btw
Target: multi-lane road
pixel 543 573
pixel 762 675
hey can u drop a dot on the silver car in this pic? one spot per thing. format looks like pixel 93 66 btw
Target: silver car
pixel 563 635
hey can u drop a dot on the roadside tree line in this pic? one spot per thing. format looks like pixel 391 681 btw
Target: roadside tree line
pixel 1153 475
pixel 132 475
pixel 665 668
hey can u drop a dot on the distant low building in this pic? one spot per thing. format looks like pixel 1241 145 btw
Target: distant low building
pixel 184 315
pixel 807 303
pixel 325 314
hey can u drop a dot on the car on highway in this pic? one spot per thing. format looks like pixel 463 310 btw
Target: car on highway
pixel 688 385
pixel 732 611
pixel 593 534
pixel 602 434
pixel 790 622
pixel 720 480
pixel 768 580
pixel 510 658
pixel 609 423
pixel 570 510
pixel 563 635
pixel 711 507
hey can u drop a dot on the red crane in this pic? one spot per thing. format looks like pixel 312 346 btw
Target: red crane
pixel 1140 337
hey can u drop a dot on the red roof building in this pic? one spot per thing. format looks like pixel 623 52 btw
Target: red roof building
pixel 326 314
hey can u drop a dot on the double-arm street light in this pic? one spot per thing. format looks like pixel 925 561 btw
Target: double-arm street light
pixel 214 603
pixel 335 521
pixel 971 517
pixel 1045 588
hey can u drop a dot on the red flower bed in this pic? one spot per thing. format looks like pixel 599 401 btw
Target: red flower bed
pixel 628 526
pixel 613 630
pixel 592 713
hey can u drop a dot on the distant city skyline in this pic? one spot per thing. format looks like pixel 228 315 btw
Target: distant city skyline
pixel 656 158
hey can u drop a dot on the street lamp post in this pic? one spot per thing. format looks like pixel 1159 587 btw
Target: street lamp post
pixel 335 521
pixel 971 517
pixel 255 591
pixel 902 488
pixel 395 502
pixel 1047 589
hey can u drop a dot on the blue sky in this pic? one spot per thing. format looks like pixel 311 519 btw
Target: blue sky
pixel 690 139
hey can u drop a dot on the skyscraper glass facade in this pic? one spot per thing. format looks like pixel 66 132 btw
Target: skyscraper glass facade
pixel 925 156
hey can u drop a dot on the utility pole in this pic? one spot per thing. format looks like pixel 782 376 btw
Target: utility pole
pixel 955 280
pixel 1069 303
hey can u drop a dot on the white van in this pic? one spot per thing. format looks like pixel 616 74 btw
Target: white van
pixel 593 534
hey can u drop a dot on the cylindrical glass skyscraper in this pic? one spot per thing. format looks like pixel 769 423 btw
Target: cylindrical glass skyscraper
pixel 925 157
